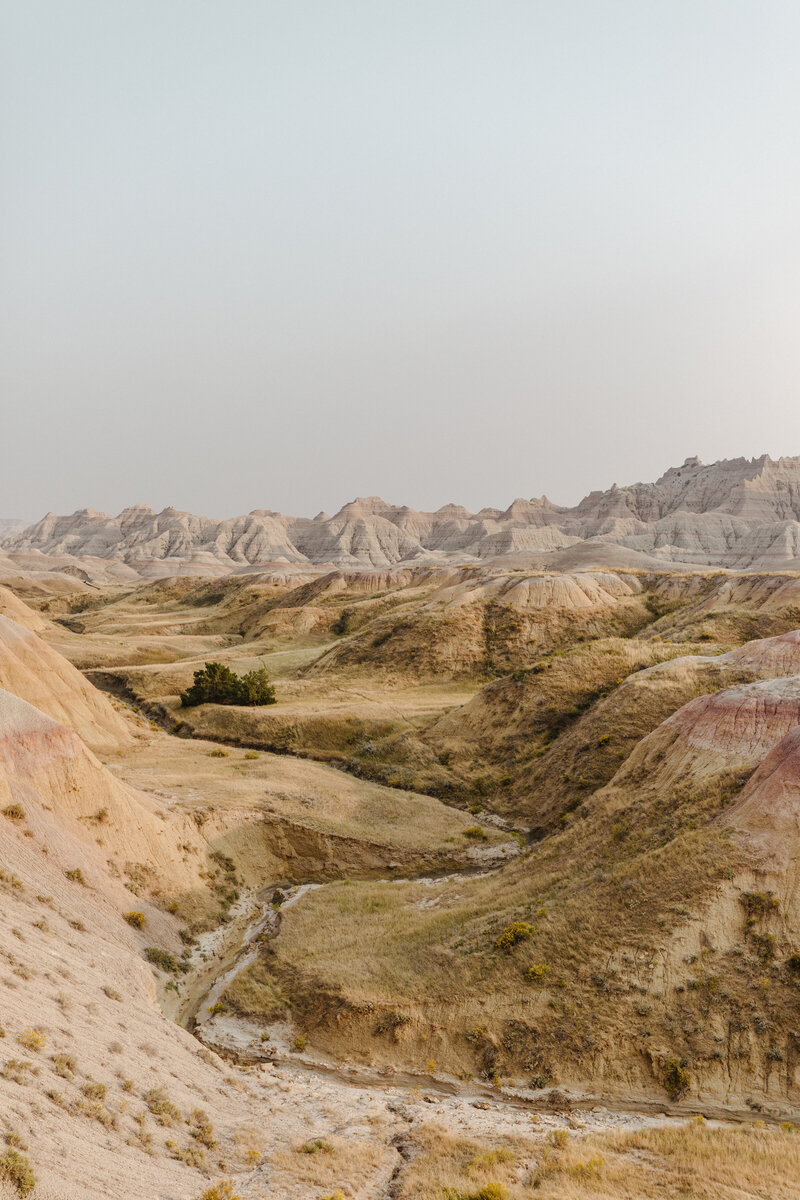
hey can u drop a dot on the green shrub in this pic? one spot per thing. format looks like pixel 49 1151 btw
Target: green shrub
pixel 343 622
pixel 64 1065
pixel 758 905
pixel 161 1106
pixel 316 1146
pixel 16 1170
pixel 540 1081
pixel 677 1079
pixel 136 919
pixel 217 684
pixel 201 1129
pixel 165 961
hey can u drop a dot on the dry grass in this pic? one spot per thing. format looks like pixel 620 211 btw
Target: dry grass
pixel 602 896
pixel 669 1163
pixel 297 790
pixel 254 992
pixel 350 1163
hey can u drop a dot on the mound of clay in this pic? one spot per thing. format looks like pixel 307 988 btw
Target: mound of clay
pixel 731 729
pixel 33 670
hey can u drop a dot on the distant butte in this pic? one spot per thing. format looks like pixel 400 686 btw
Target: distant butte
pixel 739 513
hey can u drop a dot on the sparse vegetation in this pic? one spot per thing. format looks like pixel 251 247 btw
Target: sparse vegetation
pixel 317 1146
pixel 223 1190
pixel 201 1129
pixel 165 961
pixel 16 1170
pixel 64 1065
pixel 160 1105
pixel 32 1039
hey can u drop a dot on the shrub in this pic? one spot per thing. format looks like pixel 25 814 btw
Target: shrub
pixel 793 963
pixel 559 1137
pixel 490 1157
pixel 676 1079
pixel 316 1146
pixel 218 754
pixel 217 684
pixel 64 1065
pixel 14 812
pixel 300 1042
pixel 519 931
pixel 489 1191
pixel 588 1169
pixel 32 1039
pixel 192 1156
pixel 342 624
pixel 16 1170
pixel 251 754
pixel 476 832
pixel 136 919
pixel 76 876
pixel 758 905
pixel 165 961
pixel 541 1080
pixel 161 1106
pixel 537 971
pixel 94 1091
pixel 202 1130
pixel 220 1191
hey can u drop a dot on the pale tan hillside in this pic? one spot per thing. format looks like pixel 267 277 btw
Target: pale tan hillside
pixel 15 609
pixel 33 670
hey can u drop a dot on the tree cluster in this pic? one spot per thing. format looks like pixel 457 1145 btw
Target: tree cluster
pixel 217 684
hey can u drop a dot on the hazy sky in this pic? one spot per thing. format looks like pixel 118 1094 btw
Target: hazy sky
pixel 277 254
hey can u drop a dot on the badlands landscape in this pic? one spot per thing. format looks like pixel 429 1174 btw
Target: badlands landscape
pixel 498 899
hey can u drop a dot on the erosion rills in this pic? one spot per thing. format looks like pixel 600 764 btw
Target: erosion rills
pixel 736 513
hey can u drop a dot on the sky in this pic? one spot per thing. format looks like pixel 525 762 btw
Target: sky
pixel 259 254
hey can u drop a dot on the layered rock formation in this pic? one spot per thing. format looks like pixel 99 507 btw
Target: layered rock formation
pixel 739 513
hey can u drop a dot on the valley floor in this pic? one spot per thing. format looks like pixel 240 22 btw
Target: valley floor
pixel 499 899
